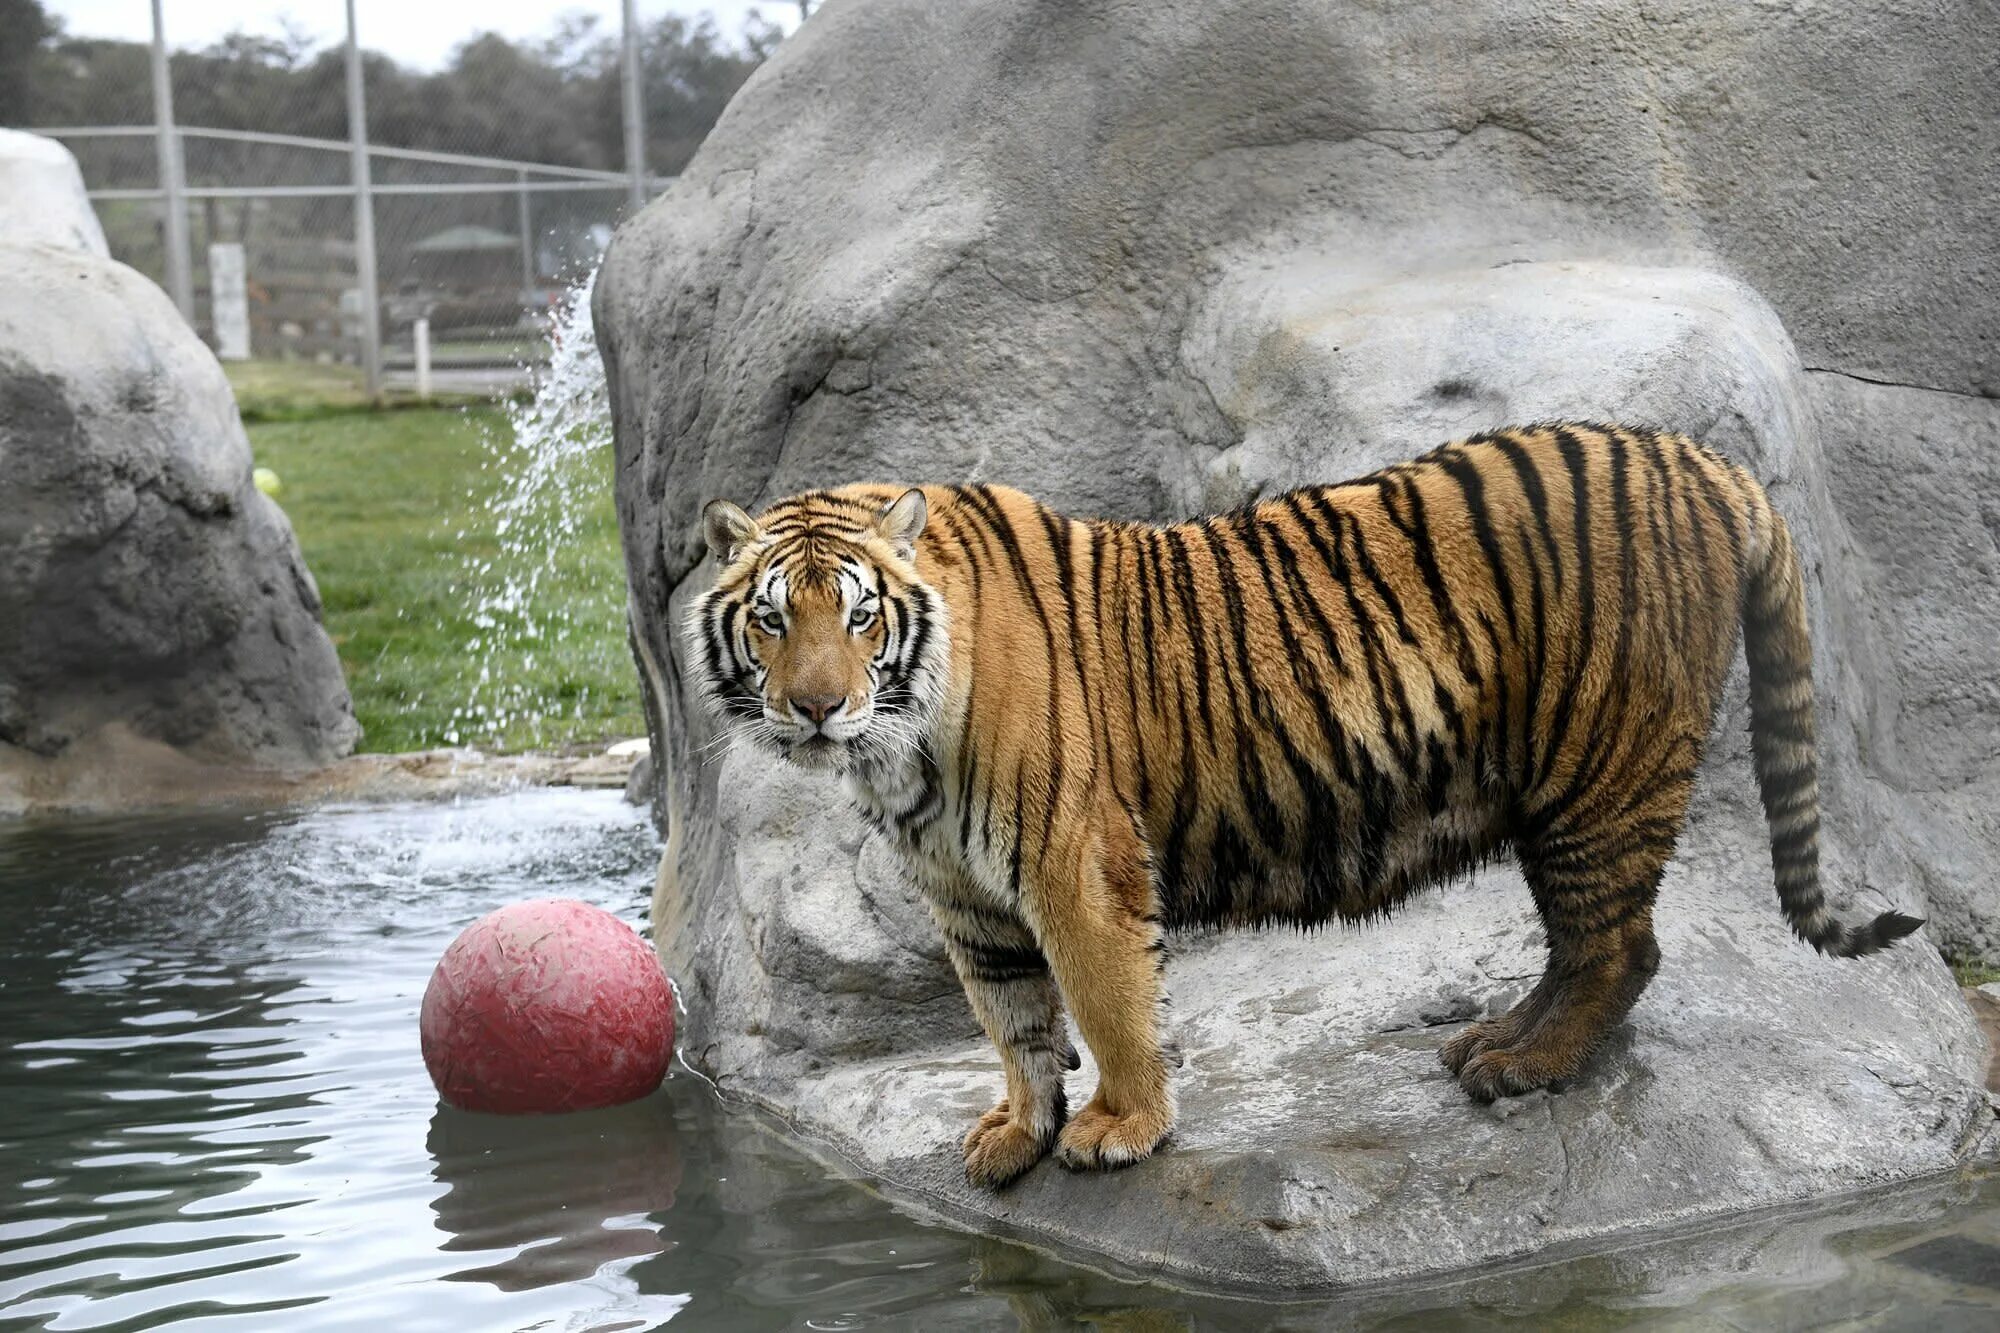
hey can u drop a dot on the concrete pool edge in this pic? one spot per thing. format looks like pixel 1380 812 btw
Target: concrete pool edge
pixel 116 773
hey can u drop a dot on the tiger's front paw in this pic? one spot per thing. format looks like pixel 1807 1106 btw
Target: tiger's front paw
pixel 1000 1149
pixel 1097 1140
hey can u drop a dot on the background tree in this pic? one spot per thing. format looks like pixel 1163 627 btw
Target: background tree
pixel 555 99
pixel 24 27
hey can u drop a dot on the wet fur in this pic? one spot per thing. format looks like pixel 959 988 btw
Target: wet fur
pixel 1086 733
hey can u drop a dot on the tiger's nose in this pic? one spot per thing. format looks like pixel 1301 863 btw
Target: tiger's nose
pixel 818 707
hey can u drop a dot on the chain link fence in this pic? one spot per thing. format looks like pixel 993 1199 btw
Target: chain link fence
pixel 318 201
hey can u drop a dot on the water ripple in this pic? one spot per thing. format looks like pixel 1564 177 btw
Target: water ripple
pixel 216 1115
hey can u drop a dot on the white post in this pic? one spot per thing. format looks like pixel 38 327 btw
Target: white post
pixel 635 115
pixel 173 203
pixel 420 334
pixel 364 216
pixel 229 300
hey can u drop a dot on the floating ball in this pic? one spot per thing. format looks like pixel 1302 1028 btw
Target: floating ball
pixel 266 480
pixel 549 1005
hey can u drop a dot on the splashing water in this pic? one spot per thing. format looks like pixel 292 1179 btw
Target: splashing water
pixel 554 463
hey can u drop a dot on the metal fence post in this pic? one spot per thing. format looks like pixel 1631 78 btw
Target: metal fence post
pixel 173 202
pixel 364 216
pixel 528 273
pixel 635 120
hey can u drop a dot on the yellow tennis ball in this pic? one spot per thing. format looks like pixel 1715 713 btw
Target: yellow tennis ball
pixel 267 481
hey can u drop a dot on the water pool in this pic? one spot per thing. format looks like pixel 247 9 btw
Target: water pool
pixel 213 1113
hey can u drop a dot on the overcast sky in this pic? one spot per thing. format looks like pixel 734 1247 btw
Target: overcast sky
pixel 421 33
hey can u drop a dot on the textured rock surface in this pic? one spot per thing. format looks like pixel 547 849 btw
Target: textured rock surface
pixel 1916 475
pixel 1321 1141
pixel 155 615
pixel 1147 260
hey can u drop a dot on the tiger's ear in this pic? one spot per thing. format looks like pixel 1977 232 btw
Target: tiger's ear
pixel 901 522
pixel 728 529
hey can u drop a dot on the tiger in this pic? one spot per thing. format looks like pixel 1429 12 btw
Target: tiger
pixel 1084 735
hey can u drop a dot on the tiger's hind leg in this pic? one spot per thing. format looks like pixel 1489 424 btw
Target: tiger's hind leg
pixel 1594 886
pixel 1503 1031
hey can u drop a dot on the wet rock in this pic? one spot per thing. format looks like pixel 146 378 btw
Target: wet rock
pixel 1326 1145
pixel 156 618
pixel 1021 249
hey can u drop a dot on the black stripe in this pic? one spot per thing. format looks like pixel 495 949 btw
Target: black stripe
pixel 1145 578
pixel 1535 669
pixel 1697 534
pixel 951 520
pixel 1309 524
pixel 1061 534
pixel 1528 474
pixel 1510 731
pixel 1575 464
pixel 1628 563
pixel 988 508
pixel 1014 866
pixel 1666 552
pixel 1727 514
pixel 998 964
pixel 1382 673
pixel 1472 487
pixel 923 626
pixel 1268 817
pixel 1122 589
pixel 1197 632
pixel 1305 671
pixel 1357 539
pixel 968 778
pixel 1417 531
pixel 1253 786
pixel 992 920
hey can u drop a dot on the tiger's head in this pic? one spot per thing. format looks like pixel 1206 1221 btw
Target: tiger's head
pixel 819 642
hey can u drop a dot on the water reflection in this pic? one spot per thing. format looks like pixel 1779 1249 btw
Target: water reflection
pixel 559 1197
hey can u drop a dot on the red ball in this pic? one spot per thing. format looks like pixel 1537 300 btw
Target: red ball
pixel 549 1005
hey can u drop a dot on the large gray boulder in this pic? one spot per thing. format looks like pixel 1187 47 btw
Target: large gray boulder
pixel 158 626
pixel 42 196
pixel 1145 262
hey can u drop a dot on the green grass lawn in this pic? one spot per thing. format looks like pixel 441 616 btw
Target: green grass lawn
pixel 393 511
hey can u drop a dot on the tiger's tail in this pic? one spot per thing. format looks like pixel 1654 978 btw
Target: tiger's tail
pixel 1779 652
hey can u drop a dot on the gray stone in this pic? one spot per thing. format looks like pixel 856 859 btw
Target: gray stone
pixel 821 954
pixel 157 623
pixel 1915 475
pixel 639 782
pixel 1147 262
pixel 42 197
